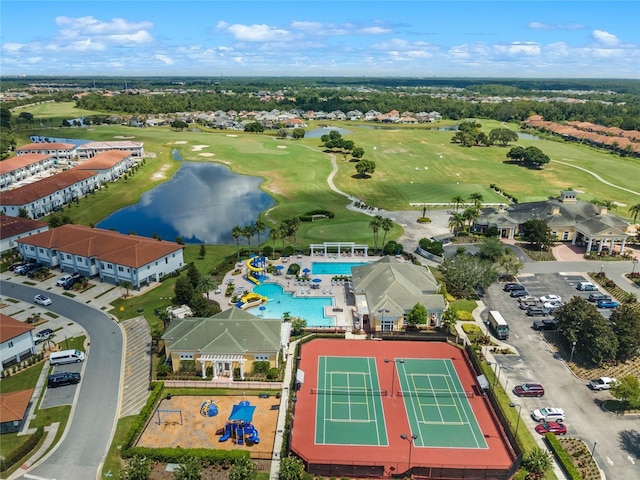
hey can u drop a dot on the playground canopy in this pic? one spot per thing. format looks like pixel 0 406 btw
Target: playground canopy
pixel 242 412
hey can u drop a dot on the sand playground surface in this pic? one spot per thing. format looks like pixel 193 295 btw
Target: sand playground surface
pixel 198 431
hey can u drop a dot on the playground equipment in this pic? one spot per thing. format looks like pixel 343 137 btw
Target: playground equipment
pixel 256 267
pixel 238 427
pixel 251 300
pixel 209 409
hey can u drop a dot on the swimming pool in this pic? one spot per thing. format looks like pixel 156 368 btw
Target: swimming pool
pixel 308 307
pixel 334 268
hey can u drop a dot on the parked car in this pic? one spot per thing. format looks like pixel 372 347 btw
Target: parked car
pixel 530 303
pixel 548 414
pixel 527 298
pixel 536 311
pixel 596 297
pixel 13 266
pixel 63 378
pixel 42 300
pixel 550 298
pixel 551 427
pixel 529 390
pixel 71 282
pixel 603 383
pixel 35 271
pixel 508 287
pixel 607 304
pixel 519 293
pixel 586 286
pixel 43 335
pixel 545 324
pixel 24 269
pixel 65 278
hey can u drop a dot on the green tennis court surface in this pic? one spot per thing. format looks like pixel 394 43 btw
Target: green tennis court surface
pixel 349 402
pixel 437 406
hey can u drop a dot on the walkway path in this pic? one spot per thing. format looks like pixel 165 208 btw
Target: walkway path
pixel 598 177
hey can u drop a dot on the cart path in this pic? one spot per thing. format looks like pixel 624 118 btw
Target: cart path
pixel 598 177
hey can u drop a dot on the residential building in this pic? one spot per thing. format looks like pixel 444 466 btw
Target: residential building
pixel 569 219
pixel 15 228
pixel 49 194
pixel 109 165
pixel 58 150
pixel 233 339
pixel 387 290
pixel 14 407
pixel 15 171
pixel 91 149
pixel 112 256
pixel 16 341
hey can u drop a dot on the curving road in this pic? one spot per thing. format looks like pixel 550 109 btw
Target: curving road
pixel 80 454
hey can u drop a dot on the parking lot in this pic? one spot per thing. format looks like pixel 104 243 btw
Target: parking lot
pixel 537 361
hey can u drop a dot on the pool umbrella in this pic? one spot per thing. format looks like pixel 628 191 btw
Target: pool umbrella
pixel 279 267
pixel 262 309
pixel 316 280
pixel 306 270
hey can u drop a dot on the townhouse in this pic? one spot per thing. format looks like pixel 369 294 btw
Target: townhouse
pixel 16 170
pixel 91 149
pixel 109 165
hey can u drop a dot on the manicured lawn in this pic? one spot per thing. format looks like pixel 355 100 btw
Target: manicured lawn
pixel 23 380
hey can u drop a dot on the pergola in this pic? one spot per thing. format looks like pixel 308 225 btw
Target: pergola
pixel 220 361
pixel 339 246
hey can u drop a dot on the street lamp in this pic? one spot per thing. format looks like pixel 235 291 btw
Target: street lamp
pixel 635 262
pixel 573 346
pixel 595 442
pixel 410 439
pixel 382 311
pixel 393 376
pixel 518 421
pixel 499 370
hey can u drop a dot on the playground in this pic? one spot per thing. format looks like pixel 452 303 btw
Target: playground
pixel 183 425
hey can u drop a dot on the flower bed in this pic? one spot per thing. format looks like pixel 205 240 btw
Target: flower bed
pixel 581 458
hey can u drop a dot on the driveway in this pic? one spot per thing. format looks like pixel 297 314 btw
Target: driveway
pixel 537 361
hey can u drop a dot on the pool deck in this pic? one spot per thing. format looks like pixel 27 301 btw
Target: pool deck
pixel 343 310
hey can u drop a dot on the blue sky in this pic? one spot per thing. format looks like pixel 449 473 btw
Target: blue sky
pixel 565 39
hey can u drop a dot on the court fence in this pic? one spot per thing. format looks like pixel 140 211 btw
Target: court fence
pixel 349 392
pixel 434 393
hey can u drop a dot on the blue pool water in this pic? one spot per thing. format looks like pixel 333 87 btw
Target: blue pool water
pixel 308 307
pixel 334 268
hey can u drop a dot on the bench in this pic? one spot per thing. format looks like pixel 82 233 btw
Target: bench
pixel 263 395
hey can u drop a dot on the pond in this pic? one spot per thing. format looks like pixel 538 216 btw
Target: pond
pixel 527 136
pixel 42 139
pixel 318 132
pixel 201 204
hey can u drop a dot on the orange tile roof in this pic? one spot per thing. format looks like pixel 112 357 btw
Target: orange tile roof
pixel 13 406
pixel 11 328
pixel 46 186
pixel 14 163
pixel 105 245
pixel 104 160
pixel 46 146
pixel 12 226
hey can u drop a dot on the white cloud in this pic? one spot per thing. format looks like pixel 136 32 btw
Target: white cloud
pixel 164 59
pixel 93 26
pixel 255 33
pixel 527 48
pixel 12 47
pixel 551 26
pixel 373 30
pixel 605 38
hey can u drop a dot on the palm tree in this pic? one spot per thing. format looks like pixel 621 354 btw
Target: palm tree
pixel 456 222
pixel 248 232
pixel 259 227
pixel 283 231
pixel 237 232
pixel 294 225
pixel 374 225
pixel 634 210
pixel 457 201
pixel 205 284
pixel 477 199
pixel 274 234
pixel 386 224
pixel 470 215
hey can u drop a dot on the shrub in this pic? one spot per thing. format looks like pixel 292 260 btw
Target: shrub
pixel 424 220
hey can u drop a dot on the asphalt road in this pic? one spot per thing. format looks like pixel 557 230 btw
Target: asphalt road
pixel 617 437
pixel 82 450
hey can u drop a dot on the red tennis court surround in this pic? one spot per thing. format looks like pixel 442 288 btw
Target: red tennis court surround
pixel 401 456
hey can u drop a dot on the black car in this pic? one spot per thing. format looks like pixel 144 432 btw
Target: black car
pixel 545 324
pixel 63 378
pixel 519 293
pixel 508 287
pixel 29 268
pixel 71 282
pixel 596 297
pixel 537 311
pixel 13 267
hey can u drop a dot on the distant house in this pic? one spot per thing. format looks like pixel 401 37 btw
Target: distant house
pixel 16 341
pixel 15 228
pixel 387 290
pixel 112 256
pixel 14 407
pixel 568 218
pixel 233 339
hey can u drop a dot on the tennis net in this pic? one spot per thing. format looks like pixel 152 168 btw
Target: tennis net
pixel 435 393
pixel 352 392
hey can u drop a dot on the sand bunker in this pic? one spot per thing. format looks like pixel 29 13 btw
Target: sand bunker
pixel 197 148
pixel 206 154
pixel 162 173
pixel 281 146
pixel 229 135
pixel 180 142
pixel 122 137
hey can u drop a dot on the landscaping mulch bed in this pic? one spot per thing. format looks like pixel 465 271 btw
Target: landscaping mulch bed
pixel 581 458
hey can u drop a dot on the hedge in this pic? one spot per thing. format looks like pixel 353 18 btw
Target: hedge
pixel 563 457
pixel 23 450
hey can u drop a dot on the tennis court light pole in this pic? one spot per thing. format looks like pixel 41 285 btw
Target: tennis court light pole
pixel 393 375
pixel 410 439
pixel 518 421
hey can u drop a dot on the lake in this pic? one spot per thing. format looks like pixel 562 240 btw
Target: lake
pixel 201 203
pixel 318 132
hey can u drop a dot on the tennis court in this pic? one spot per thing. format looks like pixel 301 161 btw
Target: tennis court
pixel 349 402
pixel 437 406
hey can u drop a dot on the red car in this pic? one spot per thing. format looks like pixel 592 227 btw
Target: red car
pixel 551 427
pixel 529 390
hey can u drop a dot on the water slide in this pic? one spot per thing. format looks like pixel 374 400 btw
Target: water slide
pixel 255 269
pixel 251 300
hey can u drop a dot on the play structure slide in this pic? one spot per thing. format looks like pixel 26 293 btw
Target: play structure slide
pixel 238 427
pixel 251 300
pixel 255 265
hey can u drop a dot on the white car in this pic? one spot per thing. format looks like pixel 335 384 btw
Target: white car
pixel 42 300
pixel 553 305
pixel 550 298
pixel 62 280
pixel 548 414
